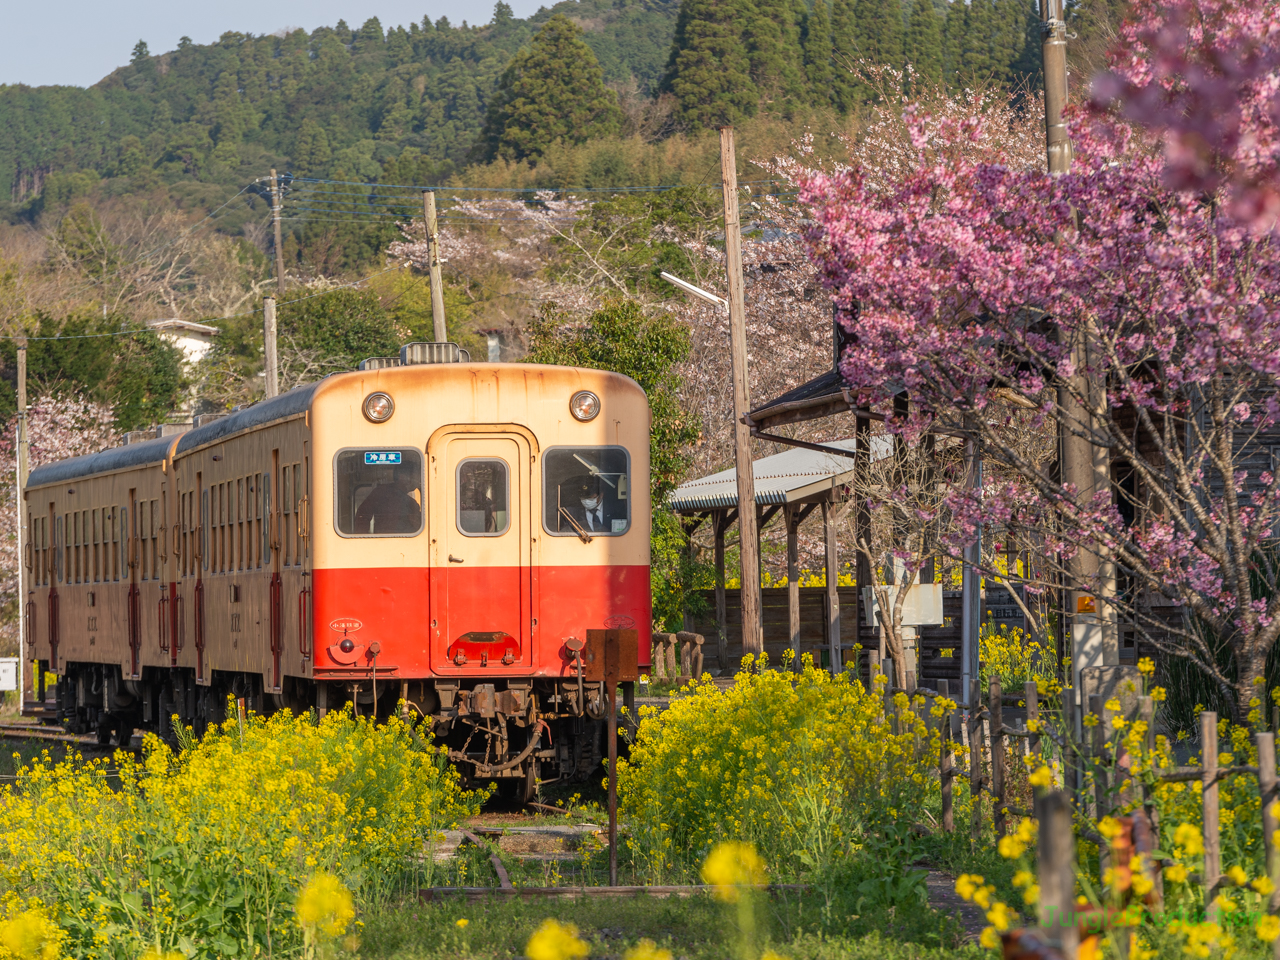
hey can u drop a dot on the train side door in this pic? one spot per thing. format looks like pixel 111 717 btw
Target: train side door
pixel 480 527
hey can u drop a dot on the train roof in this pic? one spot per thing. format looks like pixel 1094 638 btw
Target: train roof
pixel 117 458
pixel 286 405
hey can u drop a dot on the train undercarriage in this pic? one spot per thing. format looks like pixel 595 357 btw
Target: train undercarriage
pixel 516 732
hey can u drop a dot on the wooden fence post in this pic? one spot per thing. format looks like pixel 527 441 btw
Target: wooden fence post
pixel 1031 694
pixel 996 707
pixel 1267 790
pixel 1209 786
pixel 1057 857
pixel 946 762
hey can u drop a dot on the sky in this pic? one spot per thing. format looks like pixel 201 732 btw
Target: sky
pixel 91 37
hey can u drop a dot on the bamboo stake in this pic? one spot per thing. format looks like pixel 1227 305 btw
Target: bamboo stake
pixel 997 755
pixel 946 764
pixel 975 759
pixel 1209 786
pixel 1270 823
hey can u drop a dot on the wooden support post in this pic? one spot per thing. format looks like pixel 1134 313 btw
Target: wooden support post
pixel 1209 788
pixel 946 762
pixel 611 688
pixel 873 668
pixel 439 327
pixel 862 521
pixel 752 637
pixel 995 696
pixel 722 521
pixel 833 594
pixel 792 518
pixel 1056 869
pixel 1031 695
pixel 975 757
pixel 1268 793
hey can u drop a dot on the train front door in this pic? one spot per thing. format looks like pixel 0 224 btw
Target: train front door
pixel 481 491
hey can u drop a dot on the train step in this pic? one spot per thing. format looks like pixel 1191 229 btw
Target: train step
pixel 46 710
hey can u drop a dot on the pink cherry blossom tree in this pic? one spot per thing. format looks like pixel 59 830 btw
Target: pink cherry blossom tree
pixel 1131 302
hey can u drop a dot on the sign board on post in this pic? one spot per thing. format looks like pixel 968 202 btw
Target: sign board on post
pixel 1000 608
pixel 8 673
pixel 921 608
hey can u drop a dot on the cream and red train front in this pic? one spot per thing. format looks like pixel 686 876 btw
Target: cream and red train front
pixel 471 519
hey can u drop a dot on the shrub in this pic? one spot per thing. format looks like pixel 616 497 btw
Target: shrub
pixel 205 851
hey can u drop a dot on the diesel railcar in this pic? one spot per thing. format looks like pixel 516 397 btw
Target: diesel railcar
pixel 439 535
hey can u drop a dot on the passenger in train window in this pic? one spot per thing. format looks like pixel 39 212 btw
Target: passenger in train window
pixel 390 507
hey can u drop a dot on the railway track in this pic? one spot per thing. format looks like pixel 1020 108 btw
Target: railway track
pixel 31 731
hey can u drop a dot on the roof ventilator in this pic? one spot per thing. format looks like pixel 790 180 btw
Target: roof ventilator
pixel 419 352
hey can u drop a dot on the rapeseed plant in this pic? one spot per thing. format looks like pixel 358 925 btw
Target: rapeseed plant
pixel 233 846
pixel 802 766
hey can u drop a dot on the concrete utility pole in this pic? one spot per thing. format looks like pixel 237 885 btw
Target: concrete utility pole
pixel 752 636
pixel 1094 640
pixel 433 254
pixel 271 363
pixel 23 533
pixel 275 226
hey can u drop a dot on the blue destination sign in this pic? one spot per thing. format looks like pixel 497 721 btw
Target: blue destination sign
pixel 381 456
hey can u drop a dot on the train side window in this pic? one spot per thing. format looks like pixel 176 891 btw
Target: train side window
pixel 155 539
pixel 286 515
pixel 61 556
pixel 483 502
pixel 586 489
pixel 378 493
pixel 265 522
pixel 204 528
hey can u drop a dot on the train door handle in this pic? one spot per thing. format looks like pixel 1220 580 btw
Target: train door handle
pixel 453 559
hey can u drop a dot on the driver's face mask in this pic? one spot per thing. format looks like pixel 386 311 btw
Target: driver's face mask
pixel 591 503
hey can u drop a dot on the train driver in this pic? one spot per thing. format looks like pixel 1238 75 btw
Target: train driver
pixel 390 507
pixel 590 509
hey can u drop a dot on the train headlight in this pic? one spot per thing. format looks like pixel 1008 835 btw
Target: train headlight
pixel 378 407
pixel 584 405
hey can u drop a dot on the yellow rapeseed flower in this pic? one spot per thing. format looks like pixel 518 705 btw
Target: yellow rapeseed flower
pixel 646 950
pixel 1268 928
pixel 325 905
pixel 555 941
pixel 31 935
pixel 732 866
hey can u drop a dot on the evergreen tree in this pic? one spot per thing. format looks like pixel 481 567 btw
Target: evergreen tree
pixel 975 62
pixel 816 39
pixel 709 70
pixel 844 51
pixel 878 31
pixel 1008 38
pixel 952 34
pixel 923 45
pixel 553 90
pixel 773 49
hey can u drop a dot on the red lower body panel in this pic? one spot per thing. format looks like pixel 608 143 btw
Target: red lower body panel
pixel 415 614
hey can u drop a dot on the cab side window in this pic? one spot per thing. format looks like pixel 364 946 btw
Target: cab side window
pixel 378 493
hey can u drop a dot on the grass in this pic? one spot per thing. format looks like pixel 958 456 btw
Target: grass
pixel 696 928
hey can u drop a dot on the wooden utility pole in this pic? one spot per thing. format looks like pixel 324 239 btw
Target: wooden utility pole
pixel 23 533
pixel 752 637
pixel 271 363
pixel 275 226
pixel 1082 462
pixel 433 255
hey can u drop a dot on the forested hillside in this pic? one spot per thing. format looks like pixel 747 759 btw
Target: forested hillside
pixel 335 99
pixel 348 101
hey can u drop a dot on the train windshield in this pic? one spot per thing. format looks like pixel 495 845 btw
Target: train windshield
pixel 587 490
pixel 378 493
